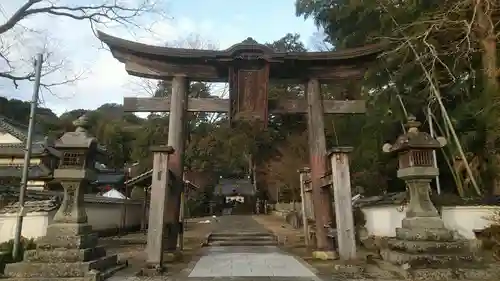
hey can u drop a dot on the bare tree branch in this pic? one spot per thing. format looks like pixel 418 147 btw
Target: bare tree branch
pixel 13 33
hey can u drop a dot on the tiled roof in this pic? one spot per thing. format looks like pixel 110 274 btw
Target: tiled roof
pixel 44 196
pixel 33 206
pixel 228 186
pixel 146 176
pixel 139 178
pixel 394 198
pixel 110 178
pixel 34 172
pixel 20 131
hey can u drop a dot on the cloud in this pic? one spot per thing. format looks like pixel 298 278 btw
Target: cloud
pixel 104 79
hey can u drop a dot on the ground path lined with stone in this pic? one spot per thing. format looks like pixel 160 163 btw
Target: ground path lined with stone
pixel 255 259
pixel 246 262
pixel 251 260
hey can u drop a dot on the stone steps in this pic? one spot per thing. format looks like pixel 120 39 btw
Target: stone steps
pixel 241 239
pixel 240 234
pixel 244 238
pixel 242 243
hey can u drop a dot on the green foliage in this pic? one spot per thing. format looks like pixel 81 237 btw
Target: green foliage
pixel 108 123
pixel 137 193
pixel 7 247
pixel 197 205
pixel 433 44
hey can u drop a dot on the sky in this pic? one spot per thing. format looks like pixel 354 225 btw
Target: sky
pixel 102 79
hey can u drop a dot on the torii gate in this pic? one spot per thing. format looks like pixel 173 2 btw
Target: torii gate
pixel 248 67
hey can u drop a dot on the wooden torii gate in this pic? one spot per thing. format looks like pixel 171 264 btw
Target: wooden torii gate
pixel 248 67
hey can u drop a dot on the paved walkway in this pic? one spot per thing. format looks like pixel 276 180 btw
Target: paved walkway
pixel 231 262
pixel 254 261
pixel 236 263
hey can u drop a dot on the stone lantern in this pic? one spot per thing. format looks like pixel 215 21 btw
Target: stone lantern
pixel 423 245
pixel 75 171
pixel 416 168
pixel 69 250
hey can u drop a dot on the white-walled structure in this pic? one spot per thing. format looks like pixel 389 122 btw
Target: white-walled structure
pixel 104 214
pixel 382 220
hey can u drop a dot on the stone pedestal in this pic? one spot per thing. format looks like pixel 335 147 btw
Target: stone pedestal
pixel 68 252
pixel 425 247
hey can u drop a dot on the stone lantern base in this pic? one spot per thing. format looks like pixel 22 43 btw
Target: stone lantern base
pixel 67 252
pixel 429 251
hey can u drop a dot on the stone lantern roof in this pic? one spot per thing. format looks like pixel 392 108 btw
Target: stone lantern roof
pixel 414 139
pixel 80 138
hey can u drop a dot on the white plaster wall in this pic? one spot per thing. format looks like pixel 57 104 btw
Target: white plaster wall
pixel 34 225
pixel 383 220
pixel 465 219
pixel 8 138
pixel 101 215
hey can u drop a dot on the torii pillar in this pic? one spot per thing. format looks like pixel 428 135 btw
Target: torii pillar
pixel 176 139
pixel 323 210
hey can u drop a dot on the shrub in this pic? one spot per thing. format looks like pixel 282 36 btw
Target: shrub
pixel 137 193
pixel 7 247
pixel 490 236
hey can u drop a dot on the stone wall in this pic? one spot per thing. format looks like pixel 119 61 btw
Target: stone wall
pixel 106 215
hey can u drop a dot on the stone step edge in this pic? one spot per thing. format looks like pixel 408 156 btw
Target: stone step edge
pixel 415 262
pixel 242 233
pixel 64 255
pixel 244 238
pixel 441 235
pixel 102 276
pixel 447 274
pixel 431 247
pixel 243 242
pixel 16 270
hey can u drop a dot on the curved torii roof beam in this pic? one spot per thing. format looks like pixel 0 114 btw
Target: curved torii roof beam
pixel 212 65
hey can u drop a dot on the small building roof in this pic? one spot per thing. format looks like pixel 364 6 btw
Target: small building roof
pixel 39 171
pixel 41 144
pixel 113 193
pixel 32 206
pixel 117 178
pixel 144 179
pixel 230 186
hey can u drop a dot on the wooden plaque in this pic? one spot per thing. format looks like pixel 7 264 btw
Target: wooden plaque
pixel 249 93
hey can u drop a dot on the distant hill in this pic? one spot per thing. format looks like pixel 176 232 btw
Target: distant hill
pixel 49 123
pixel 19 111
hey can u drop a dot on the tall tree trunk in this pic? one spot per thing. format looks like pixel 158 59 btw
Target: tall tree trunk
pixel 491 95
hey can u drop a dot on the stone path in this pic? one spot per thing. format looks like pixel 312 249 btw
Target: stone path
pixel 254 261
pixel 237 263
pixel 234 262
